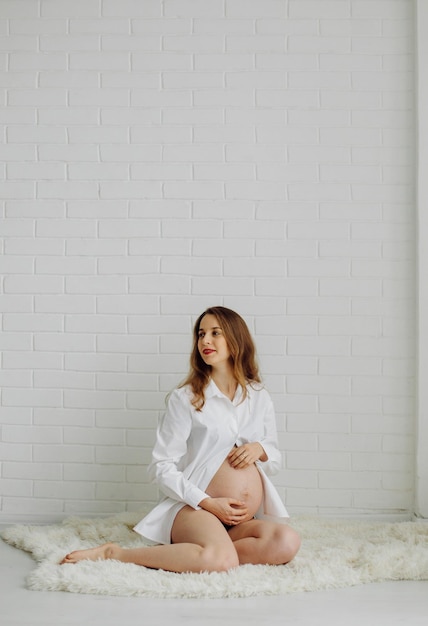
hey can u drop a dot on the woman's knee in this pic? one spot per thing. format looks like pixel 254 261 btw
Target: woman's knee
pixel 219 559
pixel 287 543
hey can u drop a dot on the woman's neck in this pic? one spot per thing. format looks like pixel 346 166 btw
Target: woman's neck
pixel 225 382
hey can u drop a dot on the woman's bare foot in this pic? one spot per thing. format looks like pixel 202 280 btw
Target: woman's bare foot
pixel 106 551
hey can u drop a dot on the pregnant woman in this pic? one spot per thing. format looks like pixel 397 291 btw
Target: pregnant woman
pixel 215 446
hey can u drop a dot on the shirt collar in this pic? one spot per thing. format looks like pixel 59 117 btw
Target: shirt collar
pixel 212 390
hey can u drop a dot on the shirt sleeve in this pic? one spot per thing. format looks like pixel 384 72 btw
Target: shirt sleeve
pixel 269 438
pixel 171 448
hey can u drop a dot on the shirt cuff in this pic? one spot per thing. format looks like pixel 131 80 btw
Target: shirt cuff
pixel 195 496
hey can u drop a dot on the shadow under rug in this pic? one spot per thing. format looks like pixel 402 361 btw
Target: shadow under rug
pixel 334 554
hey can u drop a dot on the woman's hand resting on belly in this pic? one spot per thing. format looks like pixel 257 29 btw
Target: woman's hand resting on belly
pixel 228 510
pixel 245 455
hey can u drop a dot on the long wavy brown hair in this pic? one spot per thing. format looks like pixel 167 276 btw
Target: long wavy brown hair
pixel 242 354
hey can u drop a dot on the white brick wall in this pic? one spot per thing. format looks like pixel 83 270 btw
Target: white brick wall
pixel 160 157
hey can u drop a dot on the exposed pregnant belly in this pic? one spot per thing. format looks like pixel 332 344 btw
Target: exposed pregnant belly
pixel 242 484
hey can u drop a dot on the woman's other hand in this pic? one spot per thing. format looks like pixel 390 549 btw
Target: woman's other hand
pixel 228 510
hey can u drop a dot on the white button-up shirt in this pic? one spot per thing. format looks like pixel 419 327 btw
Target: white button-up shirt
pixel 191 445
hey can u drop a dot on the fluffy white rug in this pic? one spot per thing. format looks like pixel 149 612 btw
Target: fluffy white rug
pixel 334 554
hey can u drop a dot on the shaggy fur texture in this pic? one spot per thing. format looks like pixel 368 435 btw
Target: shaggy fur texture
pixel 334 553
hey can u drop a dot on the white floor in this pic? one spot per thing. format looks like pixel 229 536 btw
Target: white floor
pixel 382 604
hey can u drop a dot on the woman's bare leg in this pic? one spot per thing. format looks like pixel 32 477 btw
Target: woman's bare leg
pixel 200 543
pixel 264 542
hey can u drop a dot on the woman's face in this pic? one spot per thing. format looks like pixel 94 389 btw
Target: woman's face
pixel 212 344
